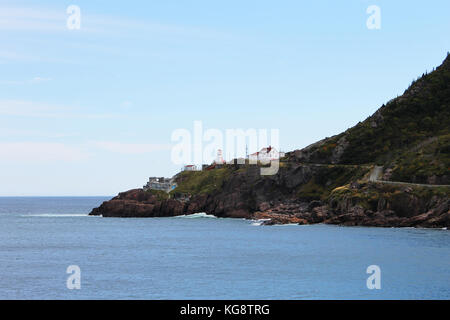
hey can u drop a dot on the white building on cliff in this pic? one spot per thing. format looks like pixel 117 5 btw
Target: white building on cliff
pixel 266 155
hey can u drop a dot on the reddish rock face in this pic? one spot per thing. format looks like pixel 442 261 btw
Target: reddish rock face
pixel 245 194
pixel 138 203
pixel 141 204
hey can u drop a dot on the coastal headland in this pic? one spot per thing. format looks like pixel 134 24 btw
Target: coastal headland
pixel 390 170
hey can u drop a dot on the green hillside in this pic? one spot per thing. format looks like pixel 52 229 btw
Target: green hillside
pixel 409 135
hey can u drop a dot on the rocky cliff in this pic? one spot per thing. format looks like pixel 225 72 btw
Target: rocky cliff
pixel 279 200
pixel 329 181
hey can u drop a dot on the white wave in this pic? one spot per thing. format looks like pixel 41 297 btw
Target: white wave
pixel 258 222
pixel 196 216
pixel 57 215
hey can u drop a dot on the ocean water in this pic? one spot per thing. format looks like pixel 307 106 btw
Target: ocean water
pixel 202 257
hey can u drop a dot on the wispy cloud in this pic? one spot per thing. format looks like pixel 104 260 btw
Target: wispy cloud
pixel 47 152
pixel 41 152
pixel 35 19
pixel 96 29
pixel 14 55
pixel 47 134
pixel 130 148
pixel 35 80
pixel 133 27
pixel 41 19
pixel 40 79
pixel 22 108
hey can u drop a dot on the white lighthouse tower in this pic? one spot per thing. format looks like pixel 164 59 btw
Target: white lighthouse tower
pixel 219 158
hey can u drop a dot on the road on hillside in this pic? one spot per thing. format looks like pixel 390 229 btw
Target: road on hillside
pixel 376 173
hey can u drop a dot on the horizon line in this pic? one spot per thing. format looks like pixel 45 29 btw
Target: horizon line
pixel 55 196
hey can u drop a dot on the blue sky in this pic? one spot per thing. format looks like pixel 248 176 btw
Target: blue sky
pixel 91 111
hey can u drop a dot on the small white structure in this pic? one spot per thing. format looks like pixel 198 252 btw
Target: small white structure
pixel 190 167
pixel 266 155
pixel 219 158
pixel 160 183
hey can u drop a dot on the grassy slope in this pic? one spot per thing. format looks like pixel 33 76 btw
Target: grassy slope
pixel 327 179
pixel 201 182
pixel 429 159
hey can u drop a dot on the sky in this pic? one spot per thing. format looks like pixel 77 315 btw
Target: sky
pixel 91 111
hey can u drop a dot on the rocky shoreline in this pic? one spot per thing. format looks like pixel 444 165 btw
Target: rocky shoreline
pixel 141 204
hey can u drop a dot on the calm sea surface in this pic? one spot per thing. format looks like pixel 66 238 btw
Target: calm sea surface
pixel 201 257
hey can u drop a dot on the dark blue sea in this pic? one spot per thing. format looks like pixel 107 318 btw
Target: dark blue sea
pixel 202 257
